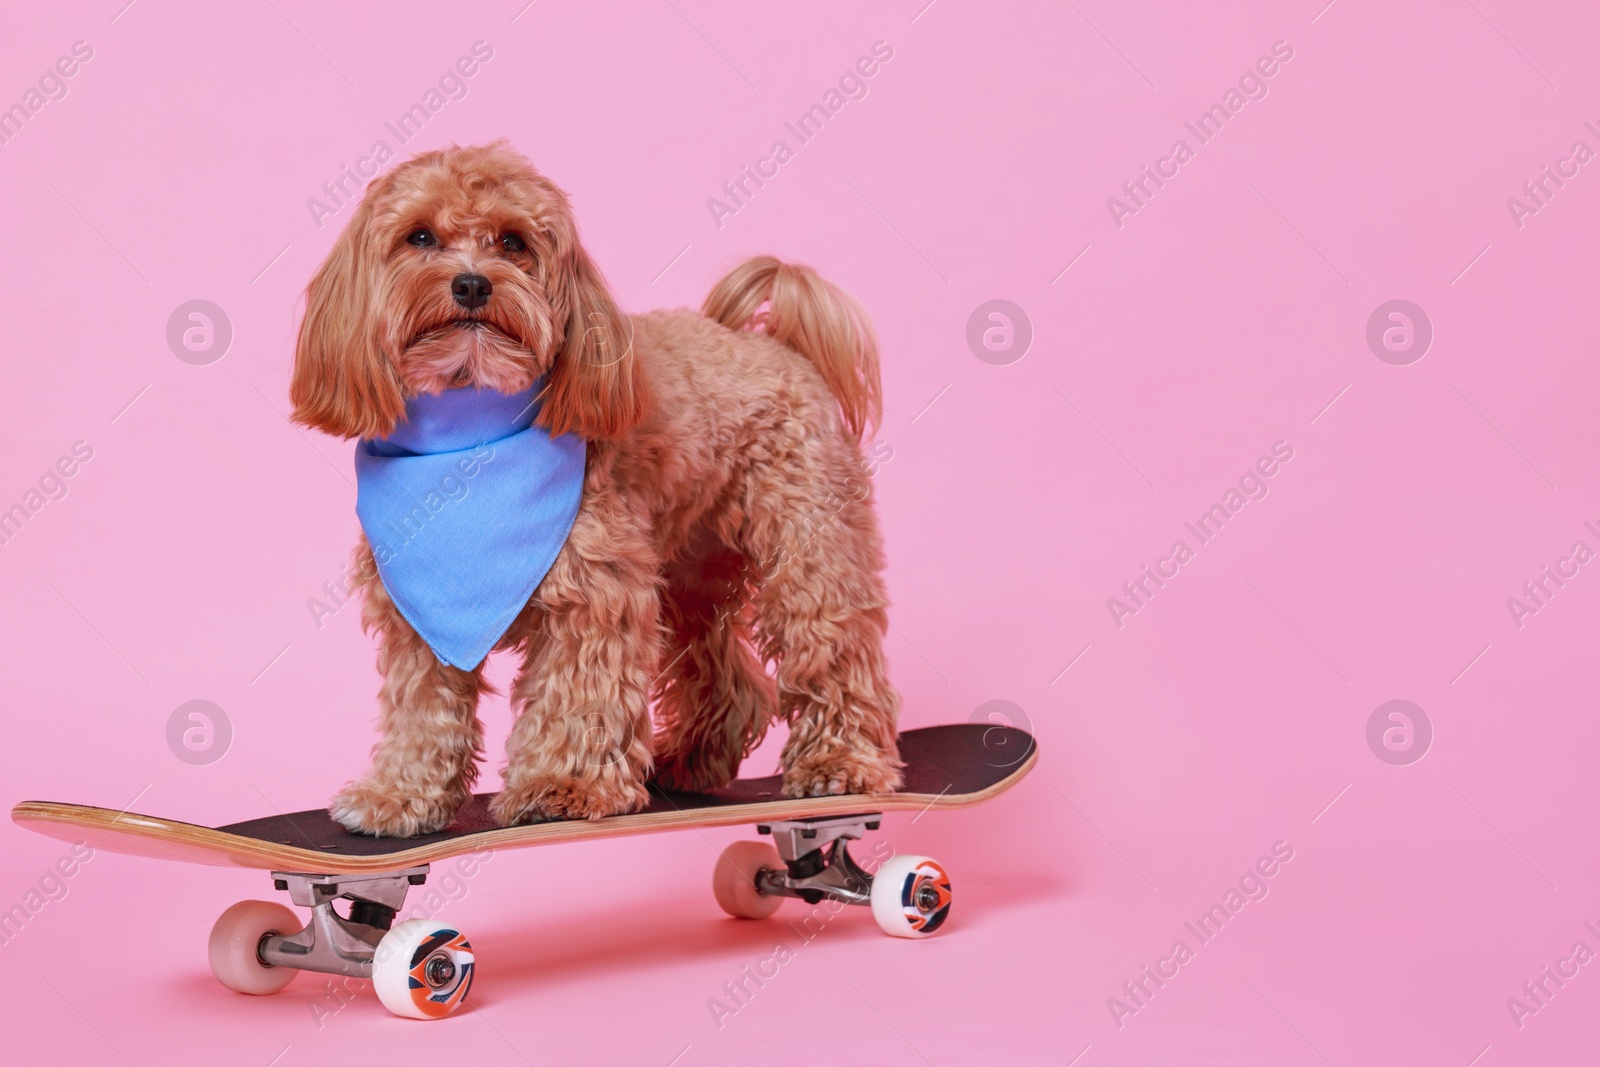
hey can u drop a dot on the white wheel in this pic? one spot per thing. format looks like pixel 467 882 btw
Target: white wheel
pixel 734 879
pixel 235 938
pixel 911 896
pixel 422 969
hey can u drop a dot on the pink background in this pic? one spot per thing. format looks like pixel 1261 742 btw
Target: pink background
pixel 1221 318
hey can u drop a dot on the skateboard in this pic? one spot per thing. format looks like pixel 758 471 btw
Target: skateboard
pixel 423 967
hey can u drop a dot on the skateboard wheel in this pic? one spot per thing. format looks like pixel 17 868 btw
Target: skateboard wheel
pixel 235 939
pixel 911 896
pixel 734 879
pixel 422 969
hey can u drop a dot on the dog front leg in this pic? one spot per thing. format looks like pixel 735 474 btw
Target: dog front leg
pixel 425 763
pixel 580 746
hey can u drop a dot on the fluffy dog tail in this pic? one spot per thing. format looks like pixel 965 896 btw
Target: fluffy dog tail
pixel 822 322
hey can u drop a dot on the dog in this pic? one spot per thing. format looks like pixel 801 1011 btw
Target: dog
pixel 726 523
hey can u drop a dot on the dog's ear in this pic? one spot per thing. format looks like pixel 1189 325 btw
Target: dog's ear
pixel 343 384
pixel 595 388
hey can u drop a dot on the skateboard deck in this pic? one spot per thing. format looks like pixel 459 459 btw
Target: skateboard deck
pixel 946 767
pixel 423 967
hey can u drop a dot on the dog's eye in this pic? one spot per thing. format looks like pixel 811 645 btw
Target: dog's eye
pixel 513 243
pixel 422 237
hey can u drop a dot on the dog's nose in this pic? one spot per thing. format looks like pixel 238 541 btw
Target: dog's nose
pixel 471 290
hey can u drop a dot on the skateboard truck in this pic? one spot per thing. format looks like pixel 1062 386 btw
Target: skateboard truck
pixel 816 855
pixel 909 895
pixel 419 967
pixel 332 943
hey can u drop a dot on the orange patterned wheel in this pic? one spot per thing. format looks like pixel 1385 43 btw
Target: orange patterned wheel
pixel 911 896
pixel 422 969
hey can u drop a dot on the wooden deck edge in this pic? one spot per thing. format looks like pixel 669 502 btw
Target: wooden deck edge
pixel 143 835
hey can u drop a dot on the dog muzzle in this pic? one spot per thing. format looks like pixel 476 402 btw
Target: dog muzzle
pixel 466 506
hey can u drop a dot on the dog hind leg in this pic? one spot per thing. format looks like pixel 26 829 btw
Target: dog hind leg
pixel 821 614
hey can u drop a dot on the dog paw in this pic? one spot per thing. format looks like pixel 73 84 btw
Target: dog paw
pixel 833 774
pixel 368 807
pixel 565 798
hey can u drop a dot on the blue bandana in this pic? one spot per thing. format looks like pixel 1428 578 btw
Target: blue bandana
pixel 466 505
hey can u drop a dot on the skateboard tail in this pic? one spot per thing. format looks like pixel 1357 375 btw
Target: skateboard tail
pixel 106 830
